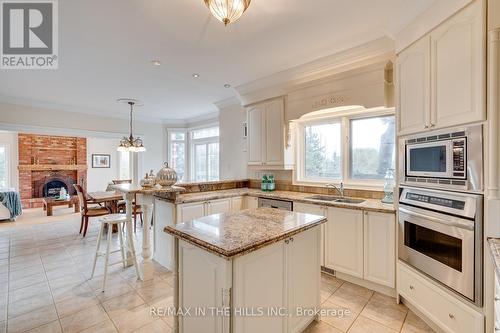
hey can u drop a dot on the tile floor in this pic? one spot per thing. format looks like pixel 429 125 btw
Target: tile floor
pixel 45 287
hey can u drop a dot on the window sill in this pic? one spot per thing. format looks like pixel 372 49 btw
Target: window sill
pixel 370 186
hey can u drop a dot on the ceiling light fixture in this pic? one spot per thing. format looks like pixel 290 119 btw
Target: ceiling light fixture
pixel 227 85
pixel 196 75
pixel 156 62
pixel 227 11
pixel 131 144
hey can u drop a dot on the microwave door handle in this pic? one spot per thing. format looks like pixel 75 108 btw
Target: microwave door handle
pixel 453 223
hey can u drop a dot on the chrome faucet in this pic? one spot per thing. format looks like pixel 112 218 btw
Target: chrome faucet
pixel 340 189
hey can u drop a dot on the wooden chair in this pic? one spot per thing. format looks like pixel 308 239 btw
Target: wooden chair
pixel 121 204
pixel 87 211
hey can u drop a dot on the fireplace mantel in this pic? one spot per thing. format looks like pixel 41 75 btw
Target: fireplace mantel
pixel 52 167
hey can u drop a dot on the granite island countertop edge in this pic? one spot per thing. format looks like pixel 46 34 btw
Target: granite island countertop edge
pixel 244 250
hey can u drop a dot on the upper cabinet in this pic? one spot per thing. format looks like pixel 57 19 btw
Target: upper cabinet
pixel 413 75
pixel 266 134
pixel 441 76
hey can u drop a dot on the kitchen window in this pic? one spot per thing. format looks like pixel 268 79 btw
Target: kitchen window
pixel 194 153
pixel 124 165
pixel 351 145
pixel 205 154
pixel 4 166
pixel 177 153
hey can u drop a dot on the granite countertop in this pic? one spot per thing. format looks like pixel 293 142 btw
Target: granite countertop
pixel 131 188
pixel 368 204
pixel 494 246
pixel 235 234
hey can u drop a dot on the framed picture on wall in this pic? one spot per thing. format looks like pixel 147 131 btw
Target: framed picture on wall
pixel 101 161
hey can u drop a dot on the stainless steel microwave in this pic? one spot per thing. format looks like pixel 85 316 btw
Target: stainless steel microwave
pixel 450 158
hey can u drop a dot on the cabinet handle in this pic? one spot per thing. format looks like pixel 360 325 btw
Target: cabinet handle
pixel 451 315
pixel 432 124
pixel 497 298
pixel 291 239
pixel 287 241
pixel 426 126
pixel 497 328
pixel 411 287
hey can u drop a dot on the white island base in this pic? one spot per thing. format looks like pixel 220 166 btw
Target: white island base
pixel 265 289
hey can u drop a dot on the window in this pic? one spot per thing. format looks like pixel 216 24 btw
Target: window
pixel 4 166
pixel 124 165
pixel 205 151
pixel 353 145
pixel 177 153
pixel 323 151
pixel 194 153
pixel 372 147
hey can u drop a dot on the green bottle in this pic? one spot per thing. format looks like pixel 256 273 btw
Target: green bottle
pixel 264 182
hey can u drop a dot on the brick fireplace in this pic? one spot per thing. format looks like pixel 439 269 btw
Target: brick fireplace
pixel 47 163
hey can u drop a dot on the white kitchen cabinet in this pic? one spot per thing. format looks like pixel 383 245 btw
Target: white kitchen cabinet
pixel 316 210
pixel 212 293
pixel 291 279
pixel 163 243
pixel 440 78
pixel 441 307
pixel 236 204
pixel 413 75
pixel 251 202
pixel 190 211
pixel 458 68
pixel 380 248
pixel 344 241
pixel 218 206
pixel 266 134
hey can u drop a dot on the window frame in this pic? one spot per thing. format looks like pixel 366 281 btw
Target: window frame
pixel 170 141
pixel 8 161
pixel 205 141
pixel 189 171
pixel 344 116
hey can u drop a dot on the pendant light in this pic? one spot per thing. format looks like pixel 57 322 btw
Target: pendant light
pixel 131 144
pixel 227 11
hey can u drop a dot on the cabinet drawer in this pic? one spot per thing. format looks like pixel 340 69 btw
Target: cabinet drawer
pixel 444 310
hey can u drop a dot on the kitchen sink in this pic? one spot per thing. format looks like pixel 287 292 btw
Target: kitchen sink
pixel 323 197
pixel 335 199
pixel 350 200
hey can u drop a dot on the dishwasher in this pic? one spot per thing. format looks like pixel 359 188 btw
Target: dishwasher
pixel 274 203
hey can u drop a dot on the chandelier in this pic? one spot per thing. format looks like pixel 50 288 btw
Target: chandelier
pixel 131 143
pixel 227 11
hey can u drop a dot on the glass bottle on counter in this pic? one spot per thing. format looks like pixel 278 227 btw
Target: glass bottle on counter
pixel 389 186
pixel 271 185
pixel 263 183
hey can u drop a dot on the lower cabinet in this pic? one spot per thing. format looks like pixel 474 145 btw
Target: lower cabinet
pixel 291 281
pixel 190 211
pixel 344 241
pixel 251 202
pixel 236 204
pixel 316 210
pixel 358 243
pixel 443 309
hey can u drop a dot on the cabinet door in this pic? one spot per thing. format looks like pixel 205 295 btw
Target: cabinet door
pixel 344 241
pixel 259 281
pixel 380 248
pixel 190 211
pixel 274 132
pixel 413 76
pixel 251 202
pixel 458 68
pixel 255 123
pixel 219 206
pixel 163 242
pixel 236 204
pixel 316 210
pixel 213 293
pixel 303 276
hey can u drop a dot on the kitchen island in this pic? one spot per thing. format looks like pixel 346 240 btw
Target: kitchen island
pixel 256 270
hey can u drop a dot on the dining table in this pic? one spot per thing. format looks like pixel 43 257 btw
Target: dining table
pixel 143 196
pixel 109 198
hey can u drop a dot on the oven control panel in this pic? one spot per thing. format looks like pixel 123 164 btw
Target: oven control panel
pixel 434 200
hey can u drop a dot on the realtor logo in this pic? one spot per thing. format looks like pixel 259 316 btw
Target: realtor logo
pixel 29 34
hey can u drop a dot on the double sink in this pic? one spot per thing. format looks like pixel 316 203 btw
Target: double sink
pixel 335 199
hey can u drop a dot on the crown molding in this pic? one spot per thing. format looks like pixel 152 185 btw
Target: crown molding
pixel 279 84
pixel 228 102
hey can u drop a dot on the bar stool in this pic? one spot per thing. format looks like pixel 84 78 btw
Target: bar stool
pixel 109 220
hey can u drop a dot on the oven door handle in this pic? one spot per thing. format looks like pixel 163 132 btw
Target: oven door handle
pixel 454 222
